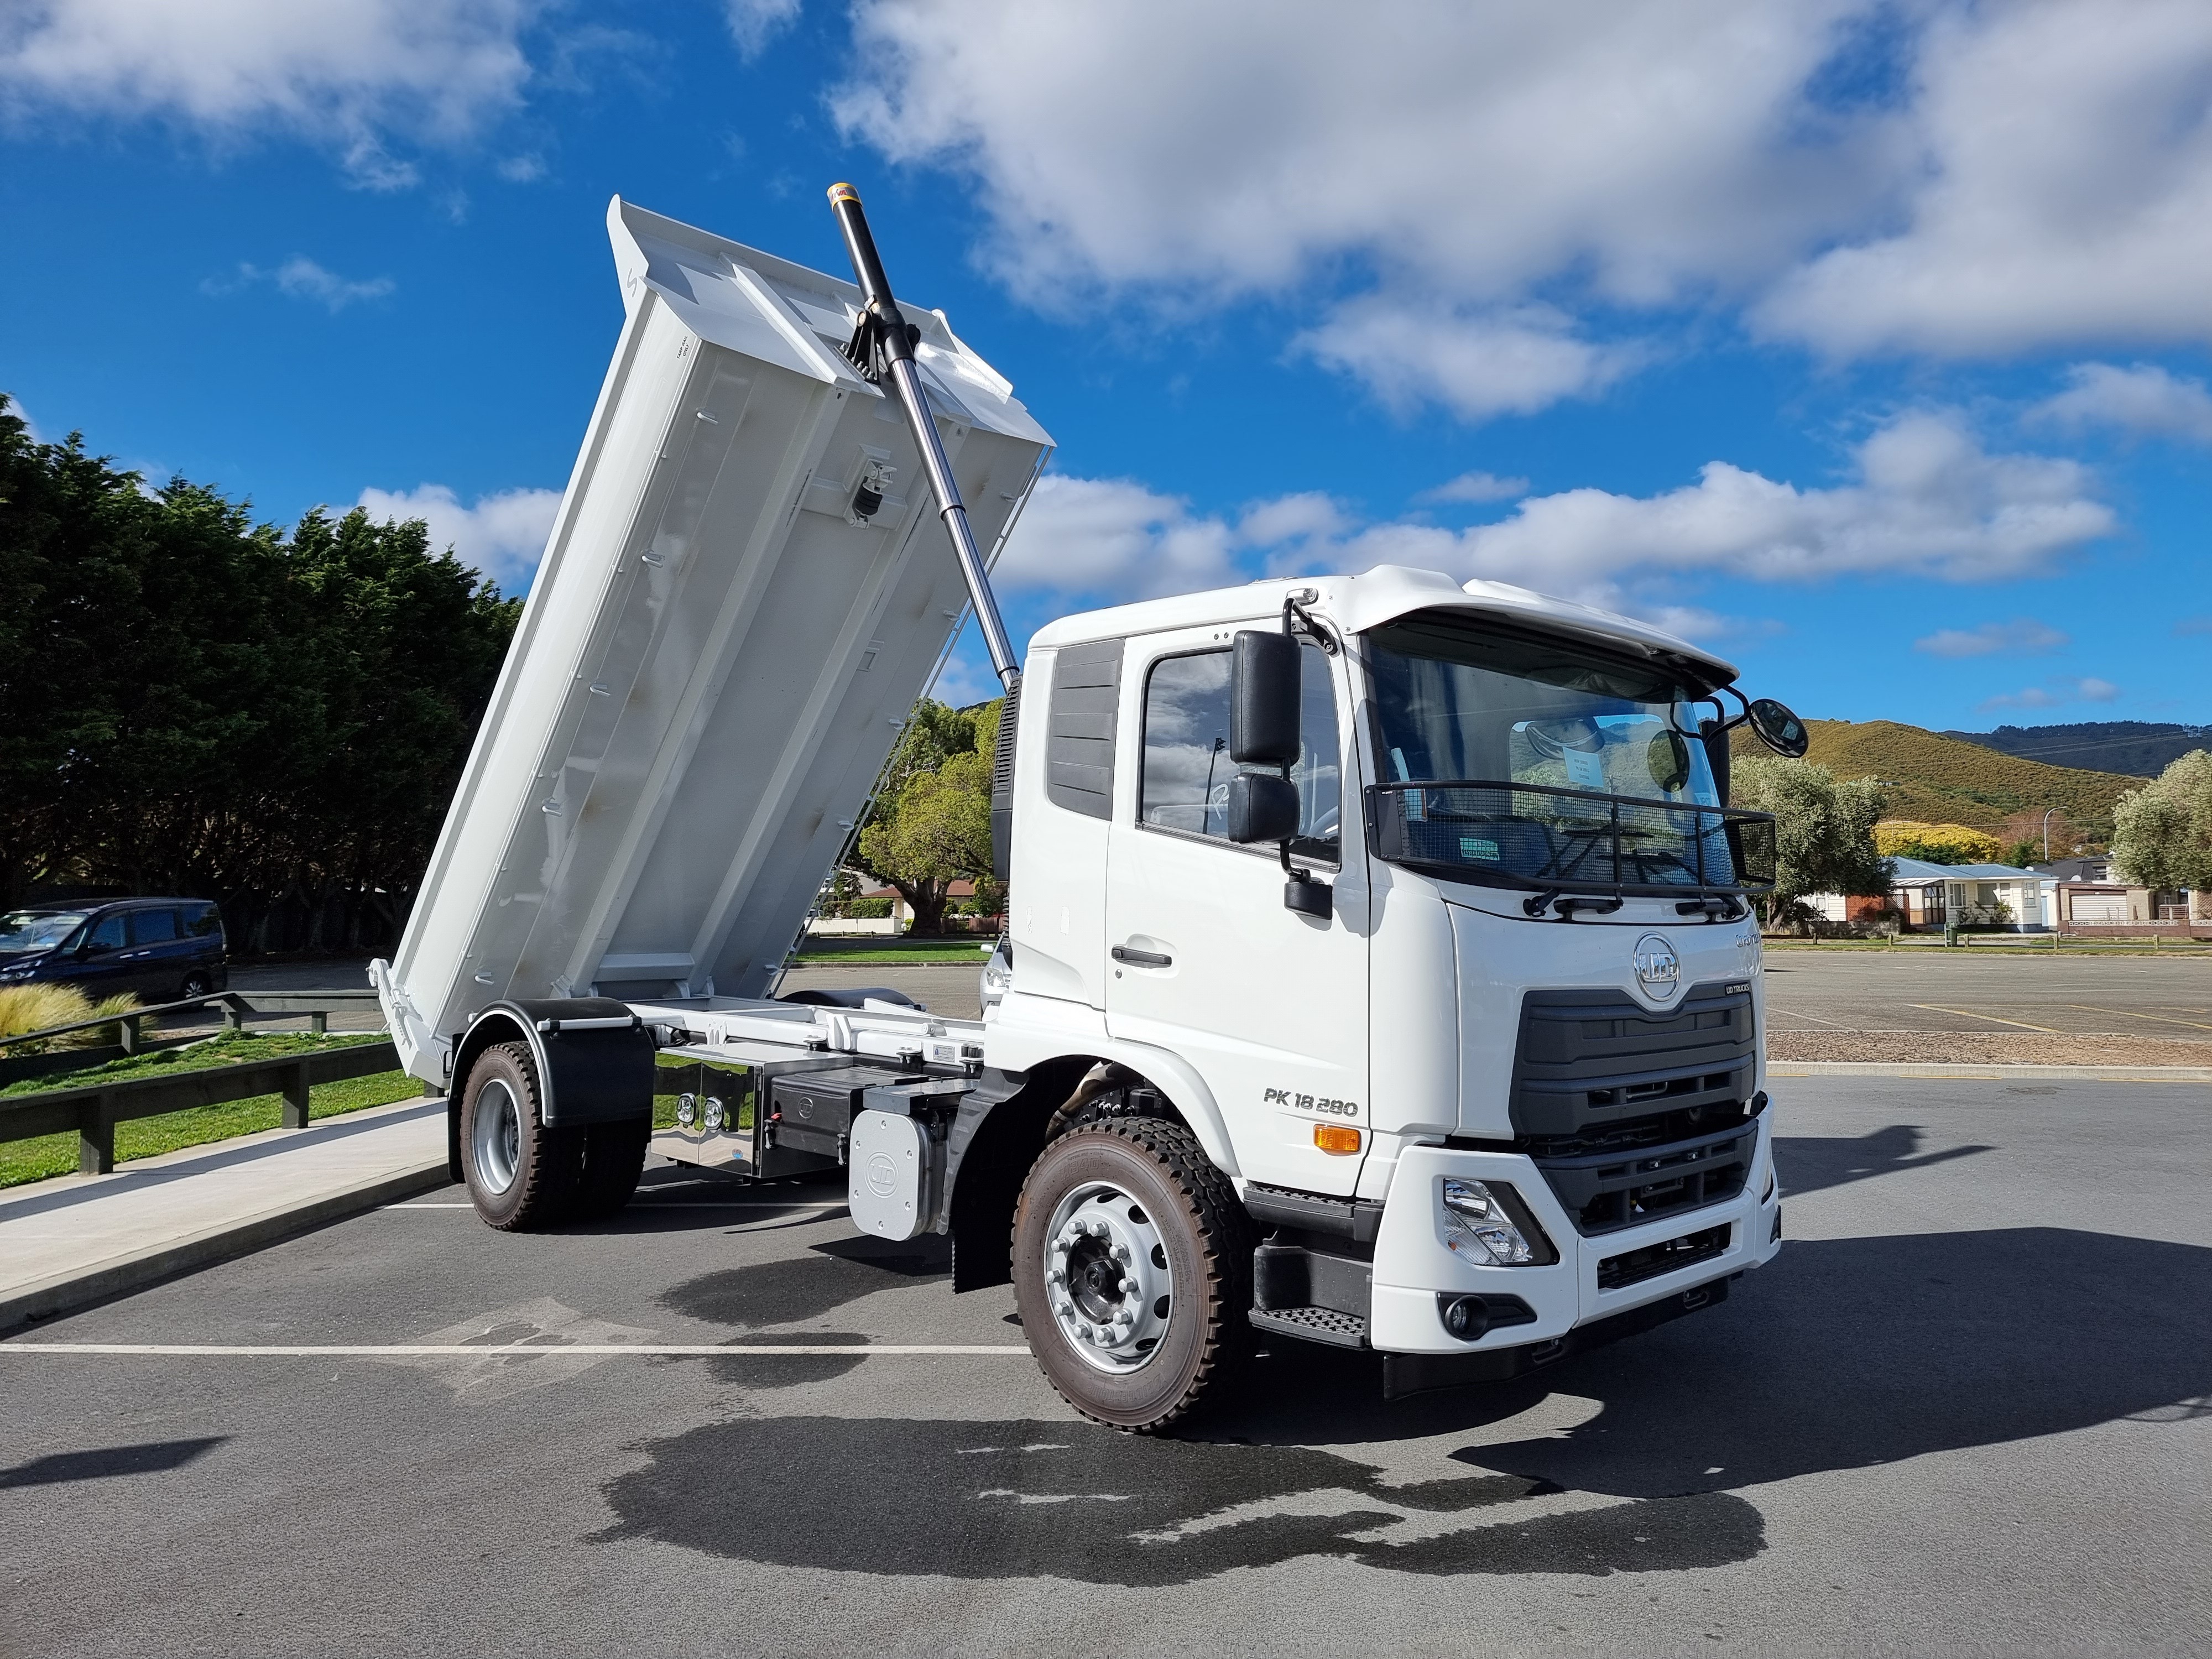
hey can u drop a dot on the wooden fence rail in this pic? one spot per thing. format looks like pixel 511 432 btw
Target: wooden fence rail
pixel 93 1109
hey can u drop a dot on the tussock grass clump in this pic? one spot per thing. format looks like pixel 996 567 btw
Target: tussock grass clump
pixel 40 1007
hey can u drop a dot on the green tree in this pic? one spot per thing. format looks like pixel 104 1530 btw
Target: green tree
pixel 191 703
pixel 930 825
pixel 1824 830
pixel 2162 832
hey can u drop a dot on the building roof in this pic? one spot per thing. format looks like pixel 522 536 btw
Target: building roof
pixel 1922 870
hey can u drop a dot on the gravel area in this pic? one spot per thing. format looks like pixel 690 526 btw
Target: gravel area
pixel 1988 1049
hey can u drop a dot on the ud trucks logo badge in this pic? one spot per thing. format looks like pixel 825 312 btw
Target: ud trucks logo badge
pixel 1658 968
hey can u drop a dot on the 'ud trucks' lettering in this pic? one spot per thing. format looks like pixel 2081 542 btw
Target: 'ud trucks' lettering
pixel 1461 852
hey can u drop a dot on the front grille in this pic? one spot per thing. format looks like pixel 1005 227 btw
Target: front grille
pixel 1618 1186
pixel 1634 1266
pixel 1630 1114
pixel 1588 1059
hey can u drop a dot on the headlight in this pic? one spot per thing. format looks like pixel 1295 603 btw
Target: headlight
pixel 1478 1226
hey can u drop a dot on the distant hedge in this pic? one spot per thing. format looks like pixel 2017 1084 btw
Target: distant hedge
pixel 193 704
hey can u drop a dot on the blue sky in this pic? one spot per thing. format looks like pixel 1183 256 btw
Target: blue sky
pixel 1867 343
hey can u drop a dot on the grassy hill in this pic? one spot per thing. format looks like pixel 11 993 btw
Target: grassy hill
pixel 2141 748
pixel 1942 779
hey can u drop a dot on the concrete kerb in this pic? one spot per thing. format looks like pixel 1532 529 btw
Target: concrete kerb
pixel 1992 1074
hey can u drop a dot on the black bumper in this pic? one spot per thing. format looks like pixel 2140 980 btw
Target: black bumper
pixel 1419 1373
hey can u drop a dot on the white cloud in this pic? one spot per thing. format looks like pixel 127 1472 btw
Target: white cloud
pixel 301 278
pixel 1477 487
pixel 2023 637
pixel 2054 694
pixel 1927 500
pixel 1943 177
pixel 1111 539
pixel 1508 360
pixel 2144 400
pixel 343 72
pixel 522 169
pixel 1306 516
pixel 2056 180
pixel 754 23
pixel 502 535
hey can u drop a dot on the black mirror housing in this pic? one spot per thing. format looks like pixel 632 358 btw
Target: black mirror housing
pixel 1263 703
pixel 1262 808
pixel 1778 729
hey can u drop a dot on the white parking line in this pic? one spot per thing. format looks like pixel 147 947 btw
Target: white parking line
pixel 1792 1013
pixel 1968 1014
pixel 648 1205
pixel 408 1349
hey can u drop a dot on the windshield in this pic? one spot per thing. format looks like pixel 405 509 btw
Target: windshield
pixel 37 930
pixel 1457 703
pixel 1532 761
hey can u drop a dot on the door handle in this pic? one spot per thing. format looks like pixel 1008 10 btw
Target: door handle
pixel 1142 959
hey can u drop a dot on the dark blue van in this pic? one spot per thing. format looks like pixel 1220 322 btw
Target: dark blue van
pixel 161 949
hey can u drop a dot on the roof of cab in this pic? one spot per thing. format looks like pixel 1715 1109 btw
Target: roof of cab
pixel 1357 603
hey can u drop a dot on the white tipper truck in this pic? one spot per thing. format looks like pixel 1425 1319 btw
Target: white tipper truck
pixel 1377 970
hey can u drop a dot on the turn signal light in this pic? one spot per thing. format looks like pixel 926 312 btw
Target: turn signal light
pixel 1336 1138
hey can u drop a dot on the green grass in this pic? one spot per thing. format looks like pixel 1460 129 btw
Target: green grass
pixel 919 951
pixel 52 1155
pixel 2003 944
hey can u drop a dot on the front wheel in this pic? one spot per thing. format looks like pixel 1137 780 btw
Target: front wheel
pixel 1132 1271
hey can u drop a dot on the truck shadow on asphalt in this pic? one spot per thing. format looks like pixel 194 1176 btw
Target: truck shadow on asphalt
pixel 1812 1163
pixel 765 1294
pixel 1843 1354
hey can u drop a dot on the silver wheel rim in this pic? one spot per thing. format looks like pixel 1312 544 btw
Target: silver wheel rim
pixel 498 1138
pixel 1107 1278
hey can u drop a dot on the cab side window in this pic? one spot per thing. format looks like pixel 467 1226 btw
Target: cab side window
pixel 106 934
pixel 1186 767
pixel 152 926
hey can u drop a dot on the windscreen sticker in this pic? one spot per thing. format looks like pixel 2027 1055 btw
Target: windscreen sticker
pixel 1585 769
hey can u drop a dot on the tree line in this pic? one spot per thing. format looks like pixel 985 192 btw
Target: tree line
pixel 193 704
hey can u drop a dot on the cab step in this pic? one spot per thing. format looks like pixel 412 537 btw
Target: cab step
pixel 1329 1325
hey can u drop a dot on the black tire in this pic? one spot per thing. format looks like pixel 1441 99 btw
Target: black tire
pixel 1207 1240
pixel 195 984
pixel 614 1157
pixel 503 1134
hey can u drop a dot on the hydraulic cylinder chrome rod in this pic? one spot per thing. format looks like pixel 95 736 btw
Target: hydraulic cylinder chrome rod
pixel 893 339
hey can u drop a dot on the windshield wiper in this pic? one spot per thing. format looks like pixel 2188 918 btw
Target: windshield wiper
pixel 1569 903
pixel 1724 908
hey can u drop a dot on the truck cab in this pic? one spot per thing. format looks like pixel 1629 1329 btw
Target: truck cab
pixel 1500 958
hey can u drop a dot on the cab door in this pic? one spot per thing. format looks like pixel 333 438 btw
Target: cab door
pixel 1268 1004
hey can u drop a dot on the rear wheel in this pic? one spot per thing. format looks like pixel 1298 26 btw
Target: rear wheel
pixel 1132 1271
pixel 522 1174
pixel 196 984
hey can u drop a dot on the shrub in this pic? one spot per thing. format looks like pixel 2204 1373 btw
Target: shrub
pixel 868 907
pixel 42 1007
pixel 1937 843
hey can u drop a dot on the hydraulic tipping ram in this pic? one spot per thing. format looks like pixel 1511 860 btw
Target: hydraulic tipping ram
pixel 883 349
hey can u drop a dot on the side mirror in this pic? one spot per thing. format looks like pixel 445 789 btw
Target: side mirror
pixel 1260 807
pixel 1263 703
pixel 1778 729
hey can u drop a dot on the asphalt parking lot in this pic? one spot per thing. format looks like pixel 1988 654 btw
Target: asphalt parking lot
pixel 1918 989
pixel 1969 1409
